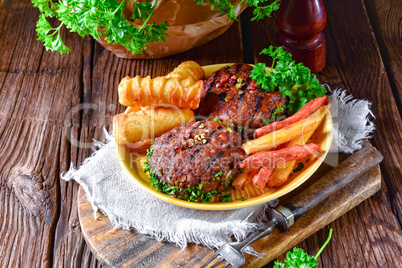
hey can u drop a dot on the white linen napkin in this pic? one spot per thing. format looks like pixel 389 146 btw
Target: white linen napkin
pixel 113 192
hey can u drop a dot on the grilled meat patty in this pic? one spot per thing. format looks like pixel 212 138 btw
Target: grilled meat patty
pixel 232 96
pixel 198 153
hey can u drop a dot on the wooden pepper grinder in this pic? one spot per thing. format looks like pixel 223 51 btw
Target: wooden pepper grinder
pixel 301 24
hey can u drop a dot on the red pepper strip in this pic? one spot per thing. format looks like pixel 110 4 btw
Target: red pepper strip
pixel 271 159
pixel 261 179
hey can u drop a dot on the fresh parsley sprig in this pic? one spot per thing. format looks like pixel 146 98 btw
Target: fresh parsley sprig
pixel 294 81
pixel 260 10
pixel 98 18
pixel 300 259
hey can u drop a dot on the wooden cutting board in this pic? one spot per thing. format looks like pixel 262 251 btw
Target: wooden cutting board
pixel 121 248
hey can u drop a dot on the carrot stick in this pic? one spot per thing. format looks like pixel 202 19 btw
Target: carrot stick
pixel 307 109
pixel 273 158
pixel 273 139
pixel 281 173
pixel 262 177
pixel 244 178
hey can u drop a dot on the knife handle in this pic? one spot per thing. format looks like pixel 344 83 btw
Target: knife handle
pixel 345 172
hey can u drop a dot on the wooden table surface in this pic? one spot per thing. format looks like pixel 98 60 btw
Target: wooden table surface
pixel 43 127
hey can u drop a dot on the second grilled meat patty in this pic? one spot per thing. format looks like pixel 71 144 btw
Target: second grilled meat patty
pixel 198 153
pixel 232 96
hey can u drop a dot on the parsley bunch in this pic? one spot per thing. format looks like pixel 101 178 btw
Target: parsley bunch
pixel 105 18
pixel 86 17
pixel 300 259
pixel 294 81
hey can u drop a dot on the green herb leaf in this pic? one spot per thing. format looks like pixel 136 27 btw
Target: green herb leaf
pixel 260 12
pixel 50 36
pixel 226 197
pixel 294 81
pixel 299 167
pixel 86 17
pixel 298 258
pixel 45 6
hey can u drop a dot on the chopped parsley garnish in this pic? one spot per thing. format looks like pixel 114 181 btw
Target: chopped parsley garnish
pixel 299 167
pixel 278 111
pixel 294 81
pixel 229 130
pixel 226 197
pixel 266 121
pixel 242 198
pixel 229 178
pixel 217 176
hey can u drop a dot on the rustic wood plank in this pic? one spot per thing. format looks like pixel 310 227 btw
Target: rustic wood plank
pixel 354 62
pixel 385 18
pixel 37 90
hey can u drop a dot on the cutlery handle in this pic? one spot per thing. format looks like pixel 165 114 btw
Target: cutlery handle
pixel 345 172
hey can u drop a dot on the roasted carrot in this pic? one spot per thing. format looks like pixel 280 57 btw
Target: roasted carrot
pixel 307 109
pixel 273 158
pixel 261 179
pixel 283 135
pixel 244 178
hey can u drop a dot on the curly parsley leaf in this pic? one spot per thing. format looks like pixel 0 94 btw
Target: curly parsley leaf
pixel 298 258
pixel 45 6
pixel 294 81
pixel 142 11
pixel 86 17
pixel 50 36
pixel 259 11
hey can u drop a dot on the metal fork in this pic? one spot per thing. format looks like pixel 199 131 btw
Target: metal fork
pixel 232 253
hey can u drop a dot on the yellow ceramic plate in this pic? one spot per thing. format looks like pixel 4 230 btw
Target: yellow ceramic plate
pixel 132 163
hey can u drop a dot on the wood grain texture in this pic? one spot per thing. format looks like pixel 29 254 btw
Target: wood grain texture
pixel 386 19
pixel 121 248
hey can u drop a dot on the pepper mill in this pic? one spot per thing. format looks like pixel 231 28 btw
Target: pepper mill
pixel 301 24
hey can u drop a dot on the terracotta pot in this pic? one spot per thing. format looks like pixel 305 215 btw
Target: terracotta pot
pixel 190 25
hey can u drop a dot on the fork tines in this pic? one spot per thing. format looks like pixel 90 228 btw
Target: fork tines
pixel 217 263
